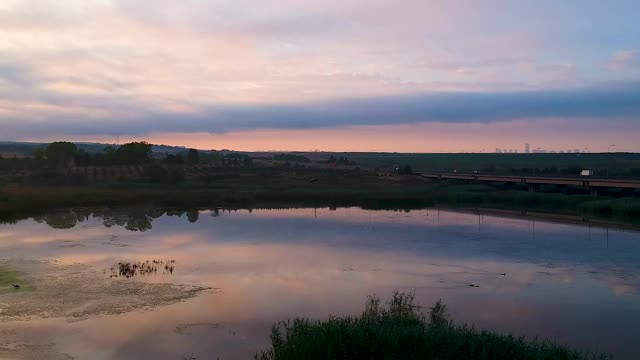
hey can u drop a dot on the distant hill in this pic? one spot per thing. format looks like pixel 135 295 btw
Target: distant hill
pixel 27 148
pixel 21 148
pixel 168 149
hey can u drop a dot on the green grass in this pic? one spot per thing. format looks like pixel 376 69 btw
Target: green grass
pixel 625 206
pixel 400 330
pixel 8 278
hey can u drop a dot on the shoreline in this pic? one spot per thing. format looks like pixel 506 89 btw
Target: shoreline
pixel 19 202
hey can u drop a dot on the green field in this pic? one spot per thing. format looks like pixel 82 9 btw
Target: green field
pixel 603 164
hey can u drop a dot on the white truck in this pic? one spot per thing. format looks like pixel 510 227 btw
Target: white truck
pixel 586 173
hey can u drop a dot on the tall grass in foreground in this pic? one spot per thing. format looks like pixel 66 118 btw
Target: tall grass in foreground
pixel 400 330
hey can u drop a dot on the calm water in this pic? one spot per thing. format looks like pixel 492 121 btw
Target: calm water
pixel 575 284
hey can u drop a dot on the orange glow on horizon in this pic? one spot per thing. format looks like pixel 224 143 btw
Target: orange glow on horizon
pixel 549 134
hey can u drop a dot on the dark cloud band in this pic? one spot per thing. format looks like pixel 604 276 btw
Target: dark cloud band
pixel 611 101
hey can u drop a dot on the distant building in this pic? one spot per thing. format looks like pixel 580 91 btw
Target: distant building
pixel 498 151
pixel 526 148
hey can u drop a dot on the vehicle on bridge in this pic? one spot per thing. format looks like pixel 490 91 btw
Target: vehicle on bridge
pixel 585 173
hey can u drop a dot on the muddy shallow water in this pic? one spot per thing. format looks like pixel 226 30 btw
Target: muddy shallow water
pixel 235 273
pixel 76 292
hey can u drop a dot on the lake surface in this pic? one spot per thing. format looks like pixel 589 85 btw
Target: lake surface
pixel 575 284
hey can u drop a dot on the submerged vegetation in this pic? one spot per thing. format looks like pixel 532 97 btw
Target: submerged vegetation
pixel 400 330
pixel 8 278
pixel 140 268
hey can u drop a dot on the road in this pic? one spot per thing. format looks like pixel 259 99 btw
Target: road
pixel 593 183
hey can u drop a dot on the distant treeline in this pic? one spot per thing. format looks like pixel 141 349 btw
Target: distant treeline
pixel 61 155
pixel 291 158
pixel 64 162
pixel 64 154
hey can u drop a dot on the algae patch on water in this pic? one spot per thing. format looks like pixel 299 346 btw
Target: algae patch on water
pixel 8 278
pixel 78 291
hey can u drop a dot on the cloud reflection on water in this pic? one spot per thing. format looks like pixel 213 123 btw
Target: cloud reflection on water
pixel 272 265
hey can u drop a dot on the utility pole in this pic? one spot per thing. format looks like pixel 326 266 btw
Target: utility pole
pixel 609 150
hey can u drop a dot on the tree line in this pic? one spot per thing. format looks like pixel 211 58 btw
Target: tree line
pixel 62 154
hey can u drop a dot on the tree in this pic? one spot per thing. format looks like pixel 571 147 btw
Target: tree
pixel 193 215
pixel 65 219
pixel 291 157
pixel 110 153
pixel 82 158
pixel 193 157
pixel 60 152
pixel 39 154
pixel 134 153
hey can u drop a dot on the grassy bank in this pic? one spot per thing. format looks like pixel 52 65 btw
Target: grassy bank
pixel 309 189
pixel 399 330
pixel 602 164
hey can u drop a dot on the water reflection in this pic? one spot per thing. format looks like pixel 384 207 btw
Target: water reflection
pixel 133 219
pixel 577 284
pixel 142 218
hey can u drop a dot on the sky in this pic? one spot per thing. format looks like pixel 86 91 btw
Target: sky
pixel 332 75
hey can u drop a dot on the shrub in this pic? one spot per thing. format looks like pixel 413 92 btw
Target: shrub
pixel 399 330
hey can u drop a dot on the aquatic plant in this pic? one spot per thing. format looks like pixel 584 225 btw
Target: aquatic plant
pixel 8 278
pixel 399 330
pixel 148 267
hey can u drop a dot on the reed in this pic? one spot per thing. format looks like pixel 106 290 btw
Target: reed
pixel 399 329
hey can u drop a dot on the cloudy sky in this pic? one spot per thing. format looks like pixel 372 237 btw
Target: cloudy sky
pixel 352 75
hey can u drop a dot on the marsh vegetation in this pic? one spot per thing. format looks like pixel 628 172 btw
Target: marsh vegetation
pixel 148 267
pixel 399 329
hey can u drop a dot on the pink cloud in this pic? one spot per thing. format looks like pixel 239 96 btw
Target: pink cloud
pixel 624 60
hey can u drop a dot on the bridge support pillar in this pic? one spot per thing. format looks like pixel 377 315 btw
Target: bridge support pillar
pixel 532 188
pixel 594 192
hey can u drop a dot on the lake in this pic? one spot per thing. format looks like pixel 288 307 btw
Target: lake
pixel 576 284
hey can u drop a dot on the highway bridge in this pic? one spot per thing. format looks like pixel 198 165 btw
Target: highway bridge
pixel 594 184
